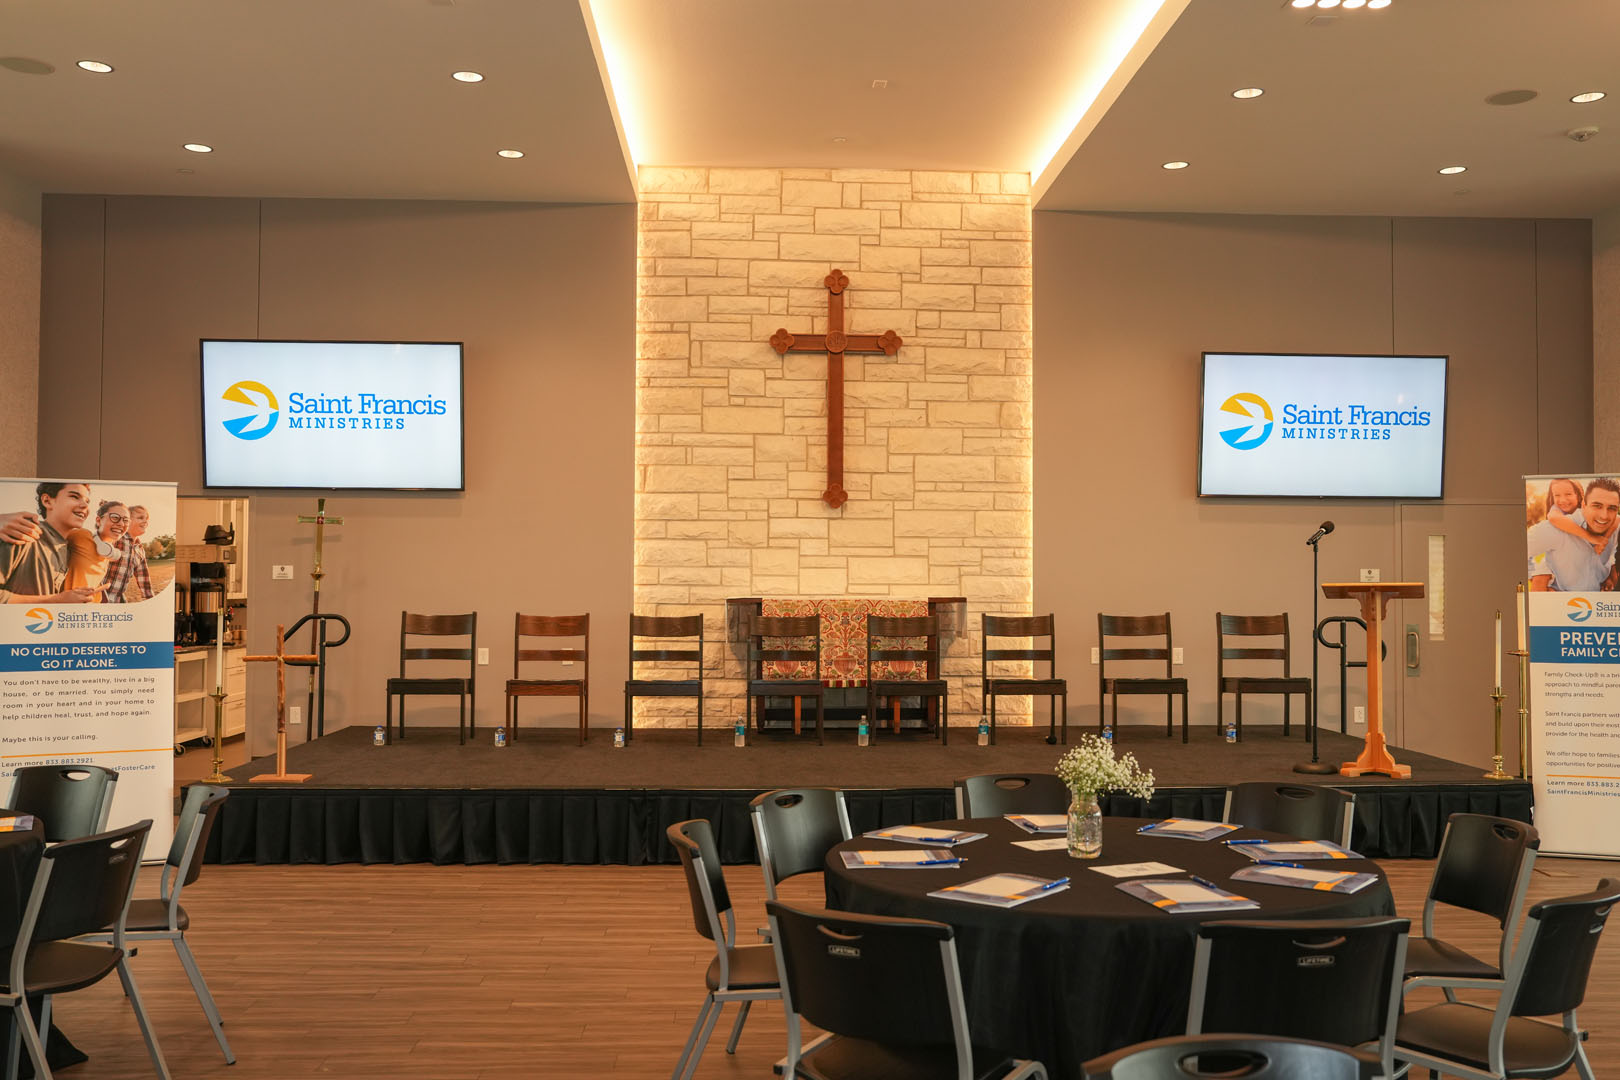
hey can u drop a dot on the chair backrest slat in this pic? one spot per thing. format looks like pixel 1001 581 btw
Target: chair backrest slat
pixel 1251 626
pixel 552 626
pixel 415 625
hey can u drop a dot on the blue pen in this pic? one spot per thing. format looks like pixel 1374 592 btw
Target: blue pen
pixel 938 862
pixel 1053 884
pixel 1275 862
pixel 1235 843
pixel 1205 883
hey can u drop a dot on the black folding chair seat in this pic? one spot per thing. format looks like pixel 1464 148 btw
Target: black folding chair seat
pixel 59 967
pixel 1443 959
pixel 753 967
pixel 1458 1031
pixel 860 1059
pixel 153 915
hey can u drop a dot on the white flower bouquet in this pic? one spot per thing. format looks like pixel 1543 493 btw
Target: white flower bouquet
pixel 1090 767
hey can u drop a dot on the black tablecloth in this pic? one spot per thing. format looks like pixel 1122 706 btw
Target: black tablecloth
pixel 1090 969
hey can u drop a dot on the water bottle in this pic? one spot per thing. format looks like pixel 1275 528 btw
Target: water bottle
pixel 1231 731
pixel 1108 735
pixel 738 738
pixel 863 735
pixel 984 732
pixel 618 738
pixel 379 737
pixel 500 737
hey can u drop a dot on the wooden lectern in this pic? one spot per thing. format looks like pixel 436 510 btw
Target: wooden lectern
pixel 1374 597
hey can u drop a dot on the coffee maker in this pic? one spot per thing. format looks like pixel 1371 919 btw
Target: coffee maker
pixel 198 620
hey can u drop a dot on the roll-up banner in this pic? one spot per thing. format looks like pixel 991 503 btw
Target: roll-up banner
pixel 87 637
pixel 1574 645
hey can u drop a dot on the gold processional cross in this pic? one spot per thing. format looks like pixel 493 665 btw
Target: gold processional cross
pixel 835 343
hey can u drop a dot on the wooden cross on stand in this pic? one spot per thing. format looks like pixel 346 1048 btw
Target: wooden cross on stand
pixel 835 343
pixel 280 659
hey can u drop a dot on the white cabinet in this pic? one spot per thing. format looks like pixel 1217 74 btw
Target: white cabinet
pixel 193 711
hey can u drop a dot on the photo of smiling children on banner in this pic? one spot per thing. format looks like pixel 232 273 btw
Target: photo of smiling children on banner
pixel 1571 533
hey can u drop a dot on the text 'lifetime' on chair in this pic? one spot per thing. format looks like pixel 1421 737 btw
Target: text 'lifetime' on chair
pixel 685 655
pixel 912 640
pixel 1303 811
pixel 465 689
pixel 69 800
pixel 1052 688
pixel 81 887
pixel 550 627
pixel 888 991
pixel 1546 977
pixel 741 973
pixel 163 918
pixel 1286 684
pixel 1170 686
pixel 1330 980
pixel 792 640
pixel 1233 1057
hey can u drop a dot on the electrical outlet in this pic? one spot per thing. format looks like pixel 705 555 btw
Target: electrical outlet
pixel 483 656
pixel 567 663
pixel 295 715
pixel 1369 575
pixel 1095 659
pixel 280 573
pixel 1177 657
pixel 1361 715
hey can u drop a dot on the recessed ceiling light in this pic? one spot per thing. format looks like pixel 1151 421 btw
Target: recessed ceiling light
pixel 840 138
pixel 1590 95
pixel 1453 170
pixel 1173 165
pixel 466 76
pixel 1247 93
pixel 96 66
pixel 1354 4
pixel 1302 3
pixel 199 148
pixel 880 84
pixel 510 153
pixel 1327 3
pixel 1378 3
pixel 185 172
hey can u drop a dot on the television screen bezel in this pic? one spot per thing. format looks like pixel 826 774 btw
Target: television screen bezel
pixel 202 406
pixel 1445 443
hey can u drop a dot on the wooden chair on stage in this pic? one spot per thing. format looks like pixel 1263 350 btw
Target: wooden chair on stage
pixel 687 631
pixel 465 689
pixel 891 640
pixel 550 626
pixel 793 640
pixel 1286 684
pixel 1171 686
pixel 1051 687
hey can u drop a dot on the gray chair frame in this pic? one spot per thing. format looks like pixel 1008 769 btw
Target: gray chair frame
pixel 1510 986
pixel 812 802
pixel 181 868
pixel 950 972
pixel 1346 816
pixel 1510 918
pixel 1291 930
pixel 16 993
pixel 54 832
pixel 1027 799
pixel 690 838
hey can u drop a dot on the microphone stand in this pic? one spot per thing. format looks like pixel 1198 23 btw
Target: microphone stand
pixel 1315 766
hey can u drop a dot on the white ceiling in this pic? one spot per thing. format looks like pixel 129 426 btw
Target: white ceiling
pixel 329 98
pixel 1359 113
pixel 352 98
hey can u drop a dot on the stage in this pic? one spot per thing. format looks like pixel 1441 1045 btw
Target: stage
pixel 542 799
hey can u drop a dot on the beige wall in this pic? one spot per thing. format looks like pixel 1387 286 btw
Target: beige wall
pixel 1124 306
pixel 1606 339
pixel 731 438
pixel 542 296
pixel 19 325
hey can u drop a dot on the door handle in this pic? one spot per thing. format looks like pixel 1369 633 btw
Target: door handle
pixel 1413 649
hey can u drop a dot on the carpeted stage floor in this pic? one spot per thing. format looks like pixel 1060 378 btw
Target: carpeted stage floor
pixel 548 758
pixel 543 799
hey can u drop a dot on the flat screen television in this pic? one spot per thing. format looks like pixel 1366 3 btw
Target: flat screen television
pixel 332 415
pixel 1323 426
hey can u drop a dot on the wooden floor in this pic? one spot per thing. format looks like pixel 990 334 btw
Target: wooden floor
pixel 469 973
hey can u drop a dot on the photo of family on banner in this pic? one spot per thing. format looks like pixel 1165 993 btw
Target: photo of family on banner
pixel 87 636
pixel 1572 621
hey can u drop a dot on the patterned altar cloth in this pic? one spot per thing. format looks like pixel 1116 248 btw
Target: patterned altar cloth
pixel 843 640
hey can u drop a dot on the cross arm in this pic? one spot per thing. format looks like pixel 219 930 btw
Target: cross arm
pixel 887 342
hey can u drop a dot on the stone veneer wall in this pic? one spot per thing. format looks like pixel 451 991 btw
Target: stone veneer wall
pixel 731 438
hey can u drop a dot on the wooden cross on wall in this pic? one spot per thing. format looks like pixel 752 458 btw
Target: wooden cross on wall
pixel 835 343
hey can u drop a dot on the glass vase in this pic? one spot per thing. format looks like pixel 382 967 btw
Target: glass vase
pixel 1085 826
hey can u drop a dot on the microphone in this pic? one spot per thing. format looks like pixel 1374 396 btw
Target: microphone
pixel 1321 531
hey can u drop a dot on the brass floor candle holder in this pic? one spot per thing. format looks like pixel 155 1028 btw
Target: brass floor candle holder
pixel 218 777
pixel 1524 712
pixel 1496 772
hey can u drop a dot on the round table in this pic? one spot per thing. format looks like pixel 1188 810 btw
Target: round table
pixel 1089 969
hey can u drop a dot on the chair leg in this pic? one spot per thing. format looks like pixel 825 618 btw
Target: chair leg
pixel 388 722
pixel 1065 736
pixel 700 719
pixel 992 720
pixel 821 731
pixel 204 997
pixel 1113 715
pixel 736 1029
pixel 472 713
pixel 23 1023
pixel 135 1003
pixel 702 1041
pixel 1051 718
pixel 691 1038
pixel 1239 696
pixel 461 720
pixel 584 723
pixel 944 720
pixel 1183 719
pixel 1169 716
pixel 402 718
pixel 1288 700
pixel 45 1019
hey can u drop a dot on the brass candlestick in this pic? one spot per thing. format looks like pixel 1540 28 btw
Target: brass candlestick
pixel 1496 772
pixel 1524 712
pixel 218 777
